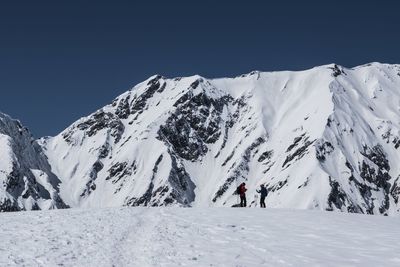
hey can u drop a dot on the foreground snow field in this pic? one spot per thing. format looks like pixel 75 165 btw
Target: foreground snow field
pixel 201 237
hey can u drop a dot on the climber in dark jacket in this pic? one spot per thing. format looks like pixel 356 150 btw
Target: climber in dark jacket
pixel 242 193
pixel 263 191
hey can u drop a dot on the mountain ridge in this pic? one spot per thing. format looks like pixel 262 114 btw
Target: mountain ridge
pixel 324 138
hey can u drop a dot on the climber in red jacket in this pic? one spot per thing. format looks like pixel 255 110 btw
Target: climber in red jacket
pixel 242 193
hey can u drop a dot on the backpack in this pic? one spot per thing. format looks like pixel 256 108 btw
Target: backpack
pixel 238 190
pixel 264 192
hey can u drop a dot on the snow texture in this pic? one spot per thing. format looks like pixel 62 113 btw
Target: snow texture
pixel 197 237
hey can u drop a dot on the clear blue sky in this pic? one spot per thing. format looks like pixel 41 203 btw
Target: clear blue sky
pixel 61 60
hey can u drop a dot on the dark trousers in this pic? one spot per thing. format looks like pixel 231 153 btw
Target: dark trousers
pixel 243 201
pixel 262 202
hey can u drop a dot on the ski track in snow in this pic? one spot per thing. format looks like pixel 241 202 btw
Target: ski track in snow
pixel 197 237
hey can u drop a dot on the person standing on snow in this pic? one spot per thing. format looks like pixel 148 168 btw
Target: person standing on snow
pixel 242 193
pixel 263 191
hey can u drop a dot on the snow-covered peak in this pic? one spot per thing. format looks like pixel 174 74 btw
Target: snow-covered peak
pixel 323 138
pixel 26 180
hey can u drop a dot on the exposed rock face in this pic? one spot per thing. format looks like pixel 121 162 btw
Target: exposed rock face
pixel 325 138
pixel 195 123
pixel 26 180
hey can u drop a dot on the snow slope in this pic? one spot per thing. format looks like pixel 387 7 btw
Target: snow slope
pixel 26 180
pixel 197 237
pixel 325 138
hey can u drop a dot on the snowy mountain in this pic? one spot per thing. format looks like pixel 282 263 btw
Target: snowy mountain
pixel 26 180
pixel 326 138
